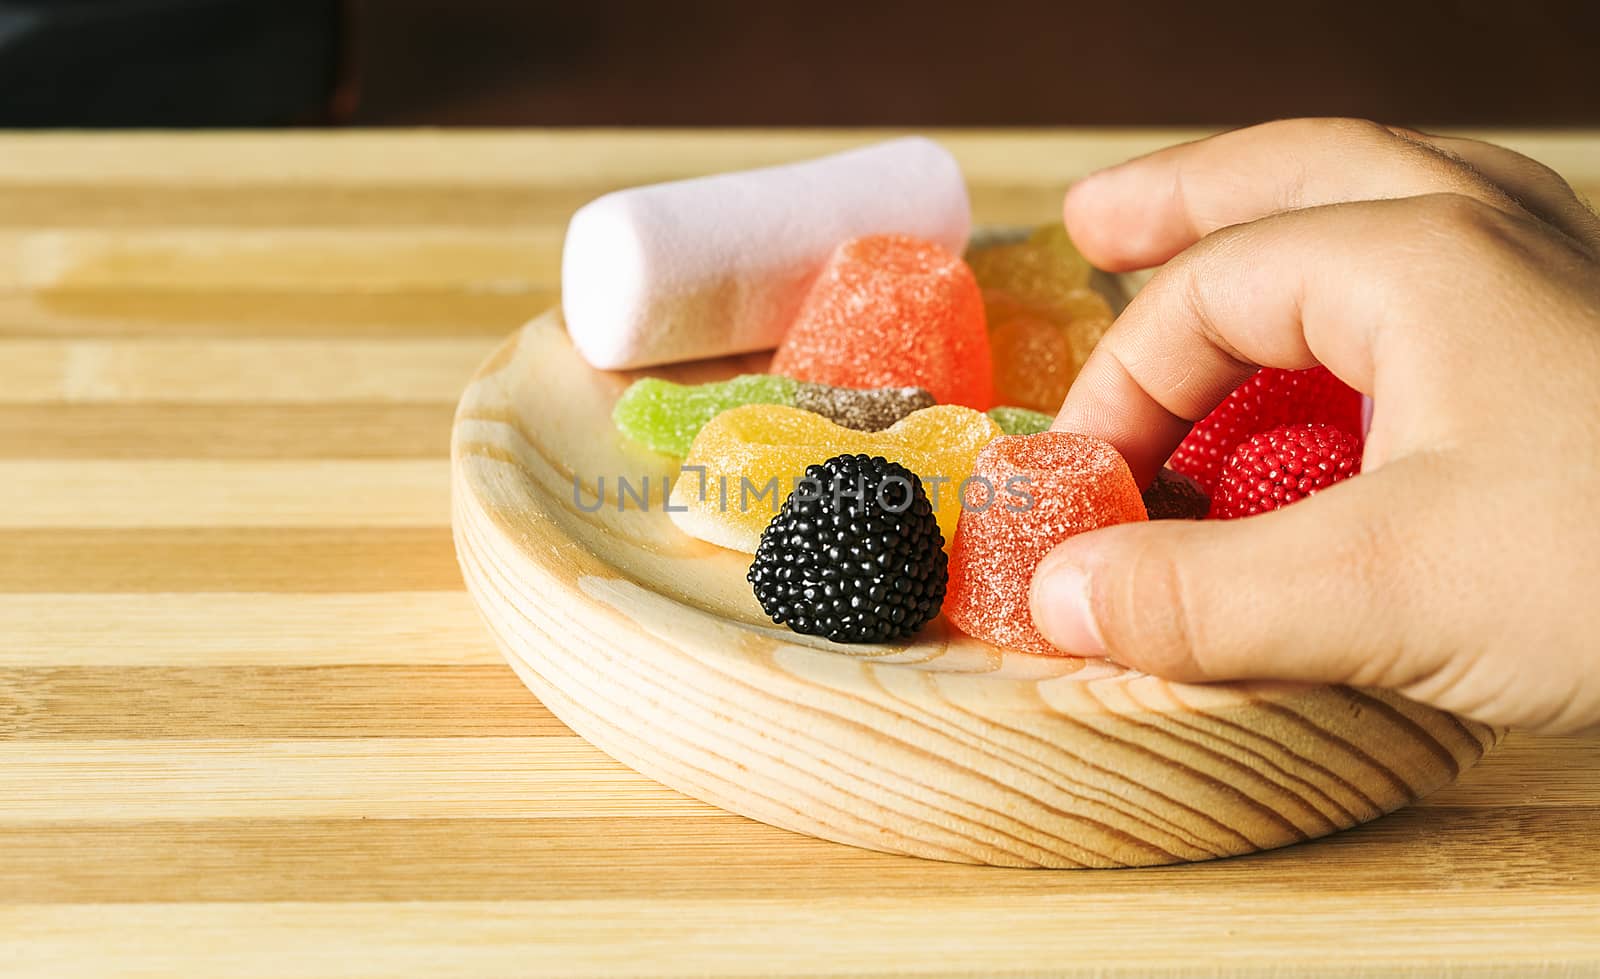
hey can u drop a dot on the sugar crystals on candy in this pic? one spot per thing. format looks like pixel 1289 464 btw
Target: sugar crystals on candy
pixel 1038 271
pixel 864 409
pixel 666 417
pixel 1037 353
pixel 1036 491
pixel 893 310
pixel 1033 360
pixel 1043 317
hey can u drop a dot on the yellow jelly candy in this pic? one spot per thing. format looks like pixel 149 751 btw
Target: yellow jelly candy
pixel 1043 317
pixel 1038 271
pixel 1052 237
pixel 1038 350
pixel 746 461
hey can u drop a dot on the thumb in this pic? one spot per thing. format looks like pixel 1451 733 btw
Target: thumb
pixel 1321 591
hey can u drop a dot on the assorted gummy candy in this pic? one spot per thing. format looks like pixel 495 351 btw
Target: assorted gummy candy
pixel 893 310
pixel 1028 494
pixel 747 460
pixel 892 325
pixel 665 417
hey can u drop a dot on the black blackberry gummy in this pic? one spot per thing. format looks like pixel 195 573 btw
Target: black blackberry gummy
pixel 854 555
pixel 1174 496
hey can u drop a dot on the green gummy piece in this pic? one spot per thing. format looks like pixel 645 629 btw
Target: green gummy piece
pixel 1020 421
pixel 666 417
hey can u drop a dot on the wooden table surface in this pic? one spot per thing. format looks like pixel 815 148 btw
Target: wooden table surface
pixel 250 724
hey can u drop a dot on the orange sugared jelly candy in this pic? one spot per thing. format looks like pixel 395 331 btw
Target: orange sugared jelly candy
pixel 1043 316
pixel 1037 351
pixel 1032 354
pixel 1035 491
pixel 893 311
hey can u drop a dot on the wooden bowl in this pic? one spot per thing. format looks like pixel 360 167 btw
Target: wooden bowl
pixel 650 645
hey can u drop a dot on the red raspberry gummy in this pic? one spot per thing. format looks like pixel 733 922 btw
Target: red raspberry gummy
pixel 1276 468
pixel 893 311
pixel 1028 494
pixel 1270 398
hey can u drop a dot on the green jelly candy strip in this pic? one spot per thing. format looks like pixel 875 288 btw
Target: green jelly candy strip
pixel 1020 421
pixel 666 417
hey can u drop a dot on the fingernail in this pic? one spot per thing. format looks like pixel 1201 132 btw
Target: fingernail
pixel 1059 597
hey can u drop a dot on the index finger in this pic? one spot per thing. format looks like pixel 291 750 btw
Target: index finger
pixel 1143 212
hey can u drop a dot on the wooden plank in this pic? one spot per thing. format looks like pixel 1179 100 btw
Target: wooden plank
pixel 215 430
pixel 250 724
pixel 270 205
pixel 552 777
pixel 273 203
pixel 263 313
pixel 133 371
pixel 1528 771
pixel 663 858
pixel 300 560
pixel 1468 933
pixel 311 260
pixel 548 776
pixel 275 860
pixel 538 160
pixel 114 632
pixel 517 180
pixel 544 159
pixel 188 703
pixel 332 493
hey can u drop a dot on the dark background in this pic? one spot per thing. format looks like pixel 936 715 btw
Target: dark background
pixel 1002 63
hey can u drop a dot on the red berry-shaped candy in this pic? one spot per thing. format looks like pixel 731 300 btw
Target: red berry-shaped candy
pixel 1270 398
pixel 1276 468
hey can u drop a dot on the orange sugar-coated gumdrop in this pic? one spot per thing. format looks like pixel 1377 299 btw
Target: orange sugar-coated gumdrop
pixel 1038 350
pixel 1033 362
pixel 893 310
pixel 1035 492
pixel 1043 317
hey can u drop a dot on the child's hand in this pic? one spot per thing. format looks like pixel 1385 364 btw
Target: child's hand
pixel 1455 282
